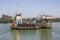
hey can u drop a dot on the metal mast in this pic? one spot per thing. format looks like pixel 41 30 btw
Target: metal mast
pixel 17 11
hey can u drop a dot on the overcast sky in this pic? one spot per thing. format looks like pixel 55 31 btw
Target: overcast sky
pixel 30 8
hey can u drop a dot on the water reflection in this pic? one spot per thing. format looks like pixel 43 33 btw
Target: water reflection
pixel 16 35
pixel 24 34
pixel 42 34
pixel 46 34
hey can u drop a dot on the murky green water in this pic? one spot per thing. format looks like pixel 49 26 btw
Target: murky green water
pixel 40 34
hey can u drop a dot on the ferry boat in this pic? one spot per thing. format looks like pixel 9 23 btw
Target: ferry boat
pixel 17 23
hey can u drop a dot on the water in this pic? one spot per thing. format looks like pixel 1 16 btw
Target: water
pixel 41 34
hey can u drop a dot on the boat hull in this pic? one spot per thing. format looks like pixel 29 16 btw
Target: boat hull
pixel 29 26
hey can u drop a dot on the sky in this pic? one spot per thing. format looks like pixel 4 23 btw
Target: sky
pixel 30 8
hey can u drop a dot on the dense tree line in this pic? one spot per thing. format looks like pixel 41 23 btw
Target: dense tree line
pixel 5 19
pixel 8 19
pixel 56 20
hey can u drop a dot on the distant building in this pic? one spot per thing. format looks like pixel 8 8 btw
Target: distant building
pixel 6 16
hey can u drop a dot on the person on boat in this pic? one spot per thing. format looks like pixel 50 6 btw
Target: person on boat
pixel 14 24
pixel 19 19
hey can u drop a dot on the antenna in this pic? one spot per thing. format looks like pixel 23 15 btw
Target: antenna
pixel 17 6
